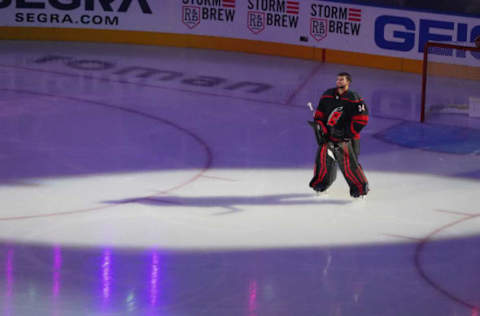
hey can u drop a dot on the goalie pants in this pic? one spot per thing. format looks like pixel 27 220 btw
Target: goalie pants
pixel 345 154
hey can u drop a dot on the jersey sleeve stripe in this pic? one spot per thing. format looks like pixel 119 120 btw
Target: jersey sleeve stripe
pixel 353 101
pixel 360 118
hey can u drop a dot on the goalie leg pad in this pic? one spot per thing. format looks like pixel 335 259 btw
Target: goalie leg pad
pixel 352 171
pixel 325 171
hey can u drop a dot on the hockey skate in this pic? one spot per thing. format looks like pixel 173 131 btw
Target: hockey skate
pixel 320 188
pixel 321 193
pixel 357 195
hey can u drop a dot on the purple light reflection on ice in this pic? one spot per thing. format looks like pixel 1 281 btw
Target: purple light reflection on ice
pixel 9 283
pixel 57 265
pixel 106 274
pixel 9 270
pixel 154 279
pixel 252 298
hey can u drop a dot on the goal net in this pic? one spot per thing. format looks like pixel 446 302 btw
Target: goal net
pixel 450 82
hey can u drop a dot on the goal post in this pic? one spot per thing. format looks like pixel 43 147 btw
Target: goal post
pixel 450 80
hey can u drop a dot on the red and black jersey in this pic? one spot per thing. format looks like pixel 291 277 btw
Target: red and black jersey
pixel 341 116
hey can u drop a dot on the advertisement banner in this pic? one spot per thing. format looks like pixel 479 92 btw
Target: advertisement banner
pixel 135 15
pixel 312 23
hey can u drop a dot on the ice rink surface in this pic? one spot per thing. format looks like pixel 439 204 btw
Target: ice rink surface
pixel 139 180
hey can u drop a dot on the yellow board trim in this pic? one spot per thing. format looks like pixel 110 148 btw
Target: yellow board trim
pixel 211 42
pixel 454 71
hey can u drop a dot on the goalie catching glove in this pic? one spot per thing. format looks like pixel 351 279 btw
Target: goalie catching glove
pixel 320 132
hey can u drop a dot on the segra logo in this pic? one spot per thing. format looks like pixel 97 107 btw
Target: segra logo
pixel 403 34
pixel 88 5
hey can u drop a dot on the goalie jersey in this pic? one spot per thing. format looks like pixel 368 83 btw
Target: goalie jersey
pixel 342 116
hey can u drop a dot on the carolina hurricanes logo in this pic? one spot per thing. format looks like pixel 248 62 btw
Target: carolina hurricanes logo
pixel 335 116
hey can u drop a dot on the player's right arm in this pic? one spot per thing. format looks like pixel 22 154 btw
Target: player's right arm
pixel 320 116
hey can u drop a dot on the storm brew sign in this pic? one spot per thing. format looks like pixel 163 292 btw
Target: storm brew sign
pixel 272 13
pixel 325 19
pixel 194 11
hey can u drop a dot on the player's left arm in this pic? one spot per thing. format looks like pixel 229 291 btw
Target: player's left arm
pixel 359 117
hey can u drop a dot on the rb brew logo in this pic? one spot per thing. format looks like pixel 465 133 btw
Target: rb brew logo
pixel 191 16
pixel 318 28
pixel 256 21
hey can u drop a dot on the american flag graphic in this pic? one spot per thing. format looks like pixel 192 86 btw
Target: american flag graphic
pixel 228 3
pixel 293 7
pixel 354 15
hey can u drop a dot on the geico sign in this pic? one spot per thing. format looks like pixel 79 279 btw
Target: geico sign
pixel 399 33
pixel 67 5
